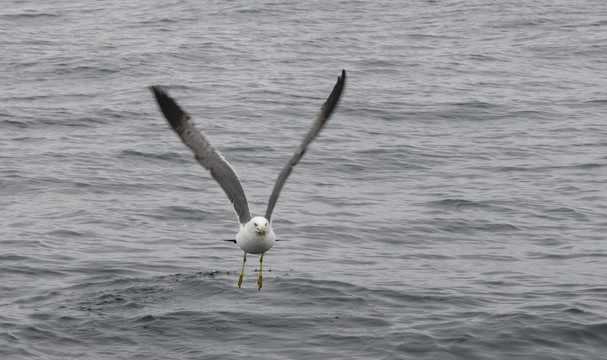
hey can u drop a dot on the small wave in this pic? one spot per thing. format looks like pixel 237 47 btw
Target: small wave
pixel 463 204
pixel 65 233
pixel 165 156
pixel 182 212
pixel 475 105
pixel 16 123
pixel 588 166
pixel 574 310
pixel 32 270
pixel 13 257
pixel 541 255
pixel 544 169
pixel 66 70
pixel 457 203
pixel 28 16
pixel 485 57
pixel 471 226
pixel 596 101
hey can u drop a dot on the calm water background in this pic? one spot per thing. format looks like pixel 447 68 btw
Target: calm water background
pixel 453 208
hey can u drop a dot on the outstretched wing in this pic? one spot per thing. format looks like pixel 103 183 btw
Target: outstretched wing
pixel 321 119
pixel 204 152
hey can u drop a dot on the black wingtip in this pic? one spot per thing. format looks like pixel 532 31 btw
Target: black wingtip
pixel 162 97
pixel 156 90
pixel 172 112
pixel 342 79
pixel 335 94
pixel 159 94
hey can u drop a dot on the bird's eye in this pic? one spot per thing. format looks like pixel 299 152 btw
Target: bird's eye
pixel 266 224
pixel 255 224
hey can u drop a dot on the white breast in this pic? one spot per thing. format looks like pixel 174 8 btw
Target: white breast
pixel 255 243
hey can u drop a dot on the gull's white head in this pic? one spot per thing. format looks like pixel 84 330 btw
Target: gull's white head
pixel 258 225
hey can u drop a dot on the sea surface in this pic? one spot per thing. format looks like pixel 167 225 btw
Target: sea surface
pixel 454 207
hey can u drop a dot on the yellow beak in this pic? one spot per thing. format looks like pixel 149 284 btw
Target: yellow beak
pixel 262 230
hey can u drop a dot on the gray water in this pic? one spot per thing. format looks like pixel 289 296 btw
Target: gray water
pixel 454 207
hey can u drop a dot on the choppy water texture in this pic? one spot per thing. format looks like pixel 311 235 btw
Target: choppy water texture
pixel 453 208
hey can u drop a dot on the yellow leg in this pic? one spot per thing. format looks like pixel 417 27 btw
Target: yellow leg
pixel 244 260
pixel 259 280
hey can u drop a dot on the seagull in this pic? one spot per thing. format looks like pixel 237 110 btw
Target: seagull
pixel 256 235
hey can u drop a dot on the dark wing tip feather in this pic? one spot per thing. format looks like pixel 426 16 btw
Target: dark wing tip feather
pixel 171 110
pixel 333 98
pixel 337 89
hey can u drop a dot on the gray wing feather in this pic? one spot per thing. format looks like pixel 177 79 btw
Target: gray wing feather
pixel 204 152
pixel 321 119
